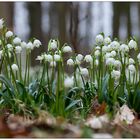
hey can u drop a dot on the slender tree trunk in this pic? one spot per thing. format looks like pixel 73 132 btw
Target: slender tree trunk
pixel 7 12
pixel 116 19
pixel 35 20
pixel 74 25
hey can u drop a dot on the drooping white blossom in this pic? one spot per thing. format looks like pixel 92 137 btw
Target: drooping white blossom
pixel 37 43
pixel 110 61
pixel 70 62
pixel 97 53
pixel 124 48
pixel 67 49
pixel 84 71
pixel 14 67
pixel 9 34
pixel 132 68
pixel 132 44
pixel 114 45
pixel 115 74
pixel 57 57
pixel 53 45
pixel 29 46
pixel 107 41
pixel 99 39
pixel 131 61
pixel 17 41
pixel 79 57
pixel 18 49
pixel 10 47
pixel 88 58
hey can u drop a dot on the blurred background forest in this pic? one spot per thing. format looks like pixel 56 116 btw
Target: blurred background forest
pixel 76 23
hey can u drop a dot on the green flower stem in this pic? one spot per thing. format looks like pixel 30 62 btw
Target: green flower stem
pixel 48 79
pixel 1 64
pixel 28 73
pixel 75 78
pixel 26 67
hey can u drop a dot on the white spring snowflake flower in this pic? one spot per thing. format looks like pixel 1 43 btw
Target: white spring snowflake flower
pixel 9 34
pixel 107 41
pixel 132 44
pixel 29 46
pixel 10 47
pixel 99 39
pixel 115 74
pixel 77 62
pixel 97 48
pixel 107 55
pixel 68 82
pixel 23 44
pixel 70 62
pixel 131 61
pixel 67 49
pixel 132 69
pixel 18 49
pixel 53 45
pixel 110 48
pixel 115 45
pixel 57 57
pixel 84 71
pixel 104 49
pixel 1 23
pixel 79 57
pixel 117 64
pixel 110 61
pixel 37 43
pixel 17 41
pixel 88 58
pixel 48 58
pixel 40 58
pixel 113 53
pixel 53 64
pixel 124 48
pixel 97 53
pixel 14 67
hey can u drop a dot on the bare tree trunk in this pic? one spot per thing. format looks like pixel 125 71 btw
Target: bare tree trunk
pixel 74 24
pixel 128 15
pixel 35 20
pixel 7 12
pixel 116 19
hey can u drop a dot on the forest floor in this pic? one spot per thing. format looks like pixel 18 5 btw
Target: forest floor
pixel 47 126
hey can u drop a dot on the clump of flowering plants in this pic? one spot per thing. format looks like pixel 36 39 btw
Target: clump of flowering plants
pixel 109 74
